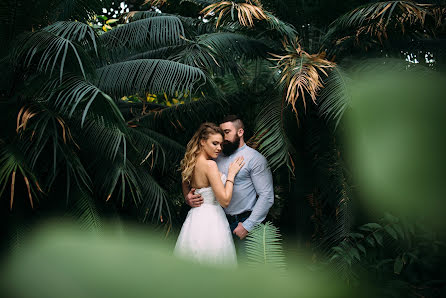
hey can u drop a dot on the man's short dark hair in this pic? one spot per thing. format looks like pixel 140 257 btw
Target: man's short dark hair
pixel 238 123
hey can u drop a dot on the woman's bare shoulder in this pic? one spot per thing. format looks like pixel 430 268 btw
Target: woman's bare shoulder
pixel 208 166
pixel 205 165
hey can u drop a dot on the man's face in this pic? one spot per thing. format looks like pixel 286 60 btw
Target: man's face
pixel 230 131
pixel 232 137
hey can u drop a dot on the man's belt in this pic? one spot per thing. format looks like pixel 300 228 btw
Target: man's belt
pixel 237 217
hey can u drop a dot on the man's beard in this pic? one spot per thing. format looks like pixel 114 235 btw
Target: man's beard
pixel 230 147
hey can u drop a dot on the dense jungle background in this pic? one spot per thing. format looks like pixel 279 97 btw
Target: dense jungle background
pixel 98 100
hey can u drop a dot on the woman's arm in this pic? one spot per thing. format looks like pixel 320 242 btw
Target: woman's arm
pixel 223 193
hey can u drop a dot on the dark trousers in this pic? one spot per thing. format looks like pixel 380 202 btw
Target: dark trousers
pixel 239 244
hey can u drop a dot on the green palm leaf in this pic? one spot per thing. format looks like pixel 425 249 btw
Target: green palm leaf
pixel 148 75
pixel 76 94
pixel 187 115
pixel 115 177
pixel 160 53
pixel 84 210
pixel 263 246
pixel 81 10
pixel 154 148
pixel 202 3
pixel 140 15
pixel 233 44
pixel 13 162
pixel 76 171
pixel 49 52
pixel 47 143
pixel 149 33
pixel 198 56
pixel 335 97
pixel 280 26
pixel 219 52
pixel 192 26
pixel 270 134
pixel 75 31
pixel 101 138
pixel 155 200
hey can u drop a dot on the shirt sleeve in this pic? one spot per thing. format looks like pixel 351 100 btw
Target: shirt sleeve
pixel 263 183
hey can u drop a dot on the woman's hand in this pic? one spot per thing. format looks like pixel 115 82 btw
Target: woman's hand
pixel 235 167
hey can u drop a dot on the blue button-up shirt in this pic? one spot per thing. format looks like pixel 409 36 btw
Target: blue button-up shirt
pixel 253 185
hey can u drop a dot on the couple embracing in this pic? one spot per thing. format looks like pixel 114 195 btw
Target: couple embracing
pixel 230 189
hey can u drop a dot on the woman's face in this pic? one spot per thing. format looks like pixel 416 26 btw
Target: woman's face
pixel 212 146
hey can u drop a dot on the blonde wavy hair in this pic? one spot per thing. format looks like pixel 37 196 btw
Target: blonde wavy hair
pixel 194 148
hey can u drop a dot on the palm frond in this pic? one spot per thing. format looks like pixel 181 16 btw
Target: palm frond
pixel 154 148
pixel 137 15
pixel 154 2
pixel 46 141
pixel 80 10
pixel 198 26
pixel 40 127
pixel 178 118
pixel 270 137
pixel 76 171
pixel 301 73
pixel 75 31
pixel 285 29
pixel 202 3
pixel 13 166
pixel 192 26
pixel 152 32
pixel 263 246
pixel 155 201
pixel 84 210
pixel 246 12
pixel 335 97
pixel 219 52
pixel 376 18
pixel 148 75
pixel 49 52
pixel 198 56
pixel 160 53
pixel 114 177
pixel 100 138
pixel 224 43
pixel 75 94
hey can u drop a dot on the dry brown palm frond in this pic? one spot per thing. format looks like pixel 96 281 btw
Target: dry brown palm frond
pixel 246 12
pixel 439 14
pixel 12 190
pixel 128 16
pixel 154 2
pixel 375 19
pixel 29 191
pixel 24 116
pixel 301 73
pixel 28 187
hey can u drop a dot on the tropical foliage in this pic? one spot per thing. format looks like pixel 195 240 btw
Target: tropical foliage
pixel 263 246
pixel 96 109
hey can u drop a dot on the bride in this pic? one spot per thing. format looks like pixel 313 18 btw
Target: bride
pixel 205 236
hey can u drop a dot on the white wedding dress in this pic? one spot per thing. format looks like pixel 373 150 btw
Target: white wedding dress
pixel 205 237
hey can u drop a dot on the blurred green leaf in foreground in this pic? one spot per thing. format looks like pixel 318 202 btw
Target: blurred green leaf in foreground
pixel 61 261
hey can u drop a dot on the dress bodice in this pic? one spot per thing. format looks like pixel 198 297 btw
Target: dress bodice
pixel 208 194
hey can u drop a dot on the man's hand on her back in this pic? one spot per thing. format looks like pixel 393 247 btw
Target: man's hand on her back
pixel 193 200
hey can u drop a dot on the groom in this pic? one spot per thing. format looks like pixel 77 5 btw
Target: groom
pixel 253 193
